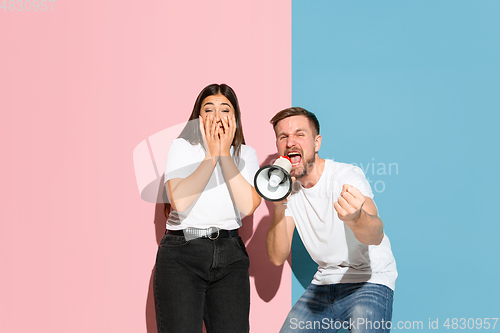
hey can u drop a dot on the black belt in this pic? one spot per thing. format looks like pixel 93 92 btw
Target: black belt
pixel 210 233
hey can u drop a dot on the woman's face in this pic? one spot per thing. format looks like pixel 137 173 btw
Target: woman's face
pixel 217 106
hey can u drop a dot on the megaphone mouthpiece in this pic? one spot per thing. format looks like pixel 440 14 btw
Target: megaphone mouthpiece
pixel 284 162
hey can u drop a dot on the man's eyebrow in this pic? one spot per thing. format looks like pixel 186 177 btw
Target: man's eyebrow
pixel 296 131
pixel 280 134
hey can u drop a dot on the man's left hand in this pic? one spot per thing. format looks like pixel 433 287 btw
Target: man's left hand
pixel 350 203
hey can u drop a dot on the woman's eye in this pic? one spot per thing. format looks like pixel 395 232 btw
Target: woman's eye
pixel 208 110
pixel 227 111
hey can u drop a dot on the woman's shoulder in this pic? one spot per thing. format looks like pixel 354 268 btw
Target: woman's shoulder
pixel 183 147
pixel 180 141
pixel 247 150
pixel 182 144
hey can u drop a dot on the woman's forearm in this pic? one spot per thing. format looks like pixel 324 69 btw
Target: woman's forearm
pixel 184 192
pixel 243 194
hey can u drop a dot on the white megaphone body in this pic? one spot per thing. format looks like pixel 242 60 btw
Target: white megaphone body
pixel 273 182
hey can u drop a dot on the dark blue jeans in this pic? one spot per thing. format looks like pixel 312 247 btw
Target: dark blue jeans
pixel 357 307
pixel 202 280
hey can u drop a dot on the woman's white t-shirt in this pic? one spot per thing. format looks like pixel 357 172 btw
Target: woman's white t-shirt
pixel 214 206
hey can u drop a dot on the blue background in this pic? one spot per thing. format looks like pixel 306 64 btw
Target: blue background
pixel 415 84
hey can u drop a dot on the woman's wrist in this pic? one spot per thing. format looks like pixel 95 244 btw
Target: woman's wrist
pixel 225 153
pixel 212 159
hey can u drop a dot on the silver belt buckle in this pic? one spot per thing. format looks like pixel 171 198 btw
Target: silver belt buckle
pixel 209 233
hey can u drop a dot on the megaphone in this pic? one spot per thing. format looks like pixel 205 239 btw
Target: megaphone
pixel 273 182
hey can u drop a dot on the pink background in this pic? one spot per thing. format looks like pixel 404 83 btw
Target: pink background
pixel 81 86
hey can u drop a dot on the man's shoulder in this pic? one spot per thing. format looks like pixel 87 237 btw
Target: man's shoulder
pixel 339 169
pixel 343 173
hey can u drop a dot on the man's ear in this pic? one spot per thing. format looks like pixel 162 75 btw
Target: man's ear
pixel 317 143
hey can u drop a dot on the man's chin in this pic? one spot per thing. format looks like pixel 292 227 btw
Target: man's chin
pixel 302 169
pixel 297 173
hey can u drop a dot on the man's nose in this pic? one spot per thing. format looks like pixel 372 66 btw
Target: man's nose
pixel 290 142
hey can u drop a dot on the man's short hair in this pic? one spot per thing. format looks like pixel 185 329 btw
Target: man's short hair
pixel 296 111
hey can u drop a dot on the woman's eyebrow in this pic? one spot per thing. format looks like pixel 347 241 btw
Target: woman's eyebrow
pixel 210 103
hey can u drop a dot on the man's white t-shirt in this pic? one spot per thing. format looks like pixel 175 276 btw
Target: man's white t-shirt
pixel 214 206
pixel 329 241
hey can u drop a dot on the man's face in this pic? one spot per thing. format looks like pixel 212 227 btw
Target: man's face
pixel 296 138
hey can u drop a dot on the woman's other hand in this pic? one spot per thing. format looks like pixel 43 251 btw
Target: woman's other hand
pixel 226 134
pixel 210 133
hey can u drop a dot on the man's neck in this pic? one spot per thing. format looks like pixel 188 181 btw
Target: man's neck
pixel 314 174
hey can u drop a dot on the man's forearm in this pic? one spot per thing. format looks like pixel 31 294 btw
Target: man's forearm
pixel 278 241
pixel 368 229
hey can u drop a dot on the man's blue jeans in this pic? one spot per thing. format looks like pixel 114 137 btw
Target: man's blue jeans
pixel 357 307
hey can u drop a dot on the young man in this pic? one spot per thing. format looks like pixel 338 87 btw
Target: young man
pixel 332 208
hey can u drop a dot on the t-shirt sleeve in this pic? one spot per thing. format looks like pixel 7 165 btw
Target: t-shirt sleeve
pixel 288 209
pixel 180 160
pixel 355 177
pixel 249 164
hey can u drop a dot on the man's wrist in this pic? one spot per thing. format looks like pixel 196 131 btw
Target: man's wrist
pixel 279 208
pixel 360 215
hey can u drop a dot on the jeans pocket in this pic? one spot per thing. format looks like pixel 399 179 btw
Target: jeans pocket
pixel 173 241
pixel 240 244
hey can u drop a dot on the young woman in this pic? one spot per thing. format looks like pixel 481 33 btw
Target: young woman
pixel 201 272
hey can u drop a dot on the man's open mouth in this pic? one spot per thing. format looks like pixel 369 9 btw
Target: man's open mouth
pixel 295 158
